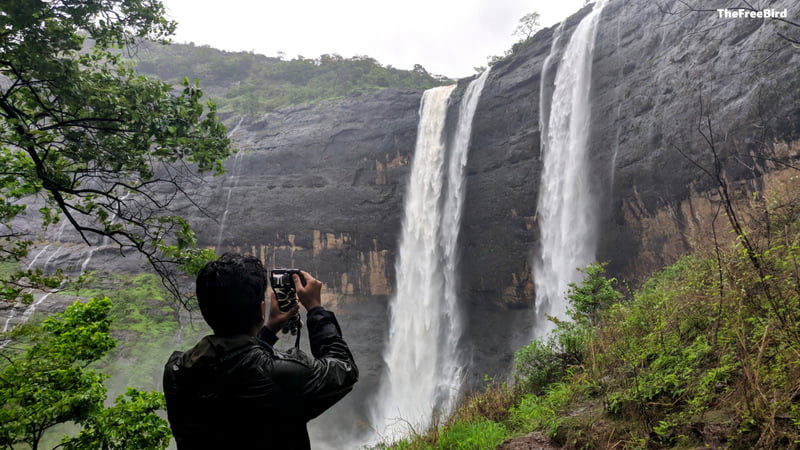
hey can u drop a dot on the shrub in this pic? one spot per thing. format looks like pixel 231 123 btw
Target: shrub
pixel 536 365
pixel 542 412
pixel 478 435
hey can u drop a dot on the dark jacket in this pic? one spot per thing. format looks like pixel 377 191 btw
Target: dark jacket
pixel 238 392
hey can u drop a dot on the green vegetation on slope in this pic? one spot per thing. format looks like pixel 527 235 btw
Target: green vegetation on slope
pixel 250 84
pixel 705 353
pixel 135 320
pixel 46 381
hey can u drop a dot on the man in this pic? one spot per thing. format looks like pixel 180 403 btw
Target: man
pixel 233 390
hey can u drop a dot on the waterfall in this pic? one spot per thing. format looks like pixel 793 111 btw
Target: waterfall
pixel 234 183
pixel 424 365
pixel 50 258
pixel 452 364
pixel 29 310
pixel 408 388
pixel 544 105
pixel 106 241
pixel 89 253
pixel 566 207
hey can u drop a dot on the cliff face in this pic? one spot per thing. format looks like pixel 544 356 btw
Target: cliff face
pixel 321 187
pixel 682 86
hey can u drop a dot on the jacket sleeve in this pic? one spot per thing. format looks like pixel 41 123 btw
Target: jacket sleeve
pixel 315 383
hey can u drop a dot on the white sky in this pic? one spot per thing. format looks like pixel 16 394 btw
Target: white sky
pixel 448 37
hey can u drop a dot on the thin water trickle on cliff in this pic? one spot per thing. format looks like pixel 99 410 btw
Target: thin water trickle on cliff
pixel 234 182
pixel 566 205
pixel 423 362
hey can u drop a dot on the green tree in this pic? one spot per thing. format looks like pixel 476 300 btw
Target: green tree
pixel 102 147
pixel 528 26
pixel 44 381
pixel 594 294
pixel 130 424
pixel 546 360
pixel 263 84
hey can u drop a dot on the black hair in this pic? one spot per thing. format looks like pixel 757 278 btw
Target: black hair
pixel 230 291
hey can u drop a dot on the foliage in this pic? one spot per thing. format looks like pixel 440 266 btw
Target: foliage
pixel 145 319
pixel 538 364
pixel 129 424
pixel 97 144
pixel 595 294
pixel 462 435
pixel 547 360
pixel 528 26
pixel 493 403
pixel 251 84
pixel 478 435
pixel 145 325
pixel 542 370
pixel 542 412
pixel 44 379
pixel 713 335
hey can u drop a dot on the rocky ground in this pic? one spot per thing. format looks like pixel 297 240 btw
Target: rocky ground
pixel 532 441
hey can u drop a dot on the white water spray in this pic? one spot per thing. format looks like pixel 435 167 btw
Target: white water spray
pixel 566 207
pixel 424 364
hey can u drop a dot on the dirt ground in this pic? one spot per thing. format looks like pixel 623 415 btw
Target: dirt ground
pixel 532 441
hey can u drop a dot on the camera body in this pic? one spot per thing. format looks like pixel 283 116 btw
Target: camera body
pixel 285 291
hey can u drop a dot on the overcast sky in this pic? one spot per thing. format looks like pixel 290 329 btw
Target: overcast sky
pixel 448 37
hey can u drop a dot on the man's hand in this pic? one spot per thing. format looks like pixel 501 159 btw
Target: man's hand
pixel 309 294
pixel 277 318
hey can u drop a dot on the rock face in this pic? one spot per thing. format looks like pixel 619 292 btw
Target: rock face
pixel 663 84
pixel 321 187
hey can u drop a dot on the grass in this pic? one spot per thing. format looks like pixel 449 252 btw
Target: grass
pixel 8 268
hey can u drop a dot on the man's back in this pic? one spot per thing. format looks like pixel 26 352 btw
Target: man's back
pixel 237 392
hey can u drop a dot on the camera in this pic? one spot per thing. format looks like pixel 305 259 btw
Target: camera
pixel 282 284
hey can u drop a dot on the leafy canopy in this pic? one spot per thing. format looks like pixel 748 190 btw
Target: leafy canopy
pixel 102 147
pixel 44 381
pixel 252 84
